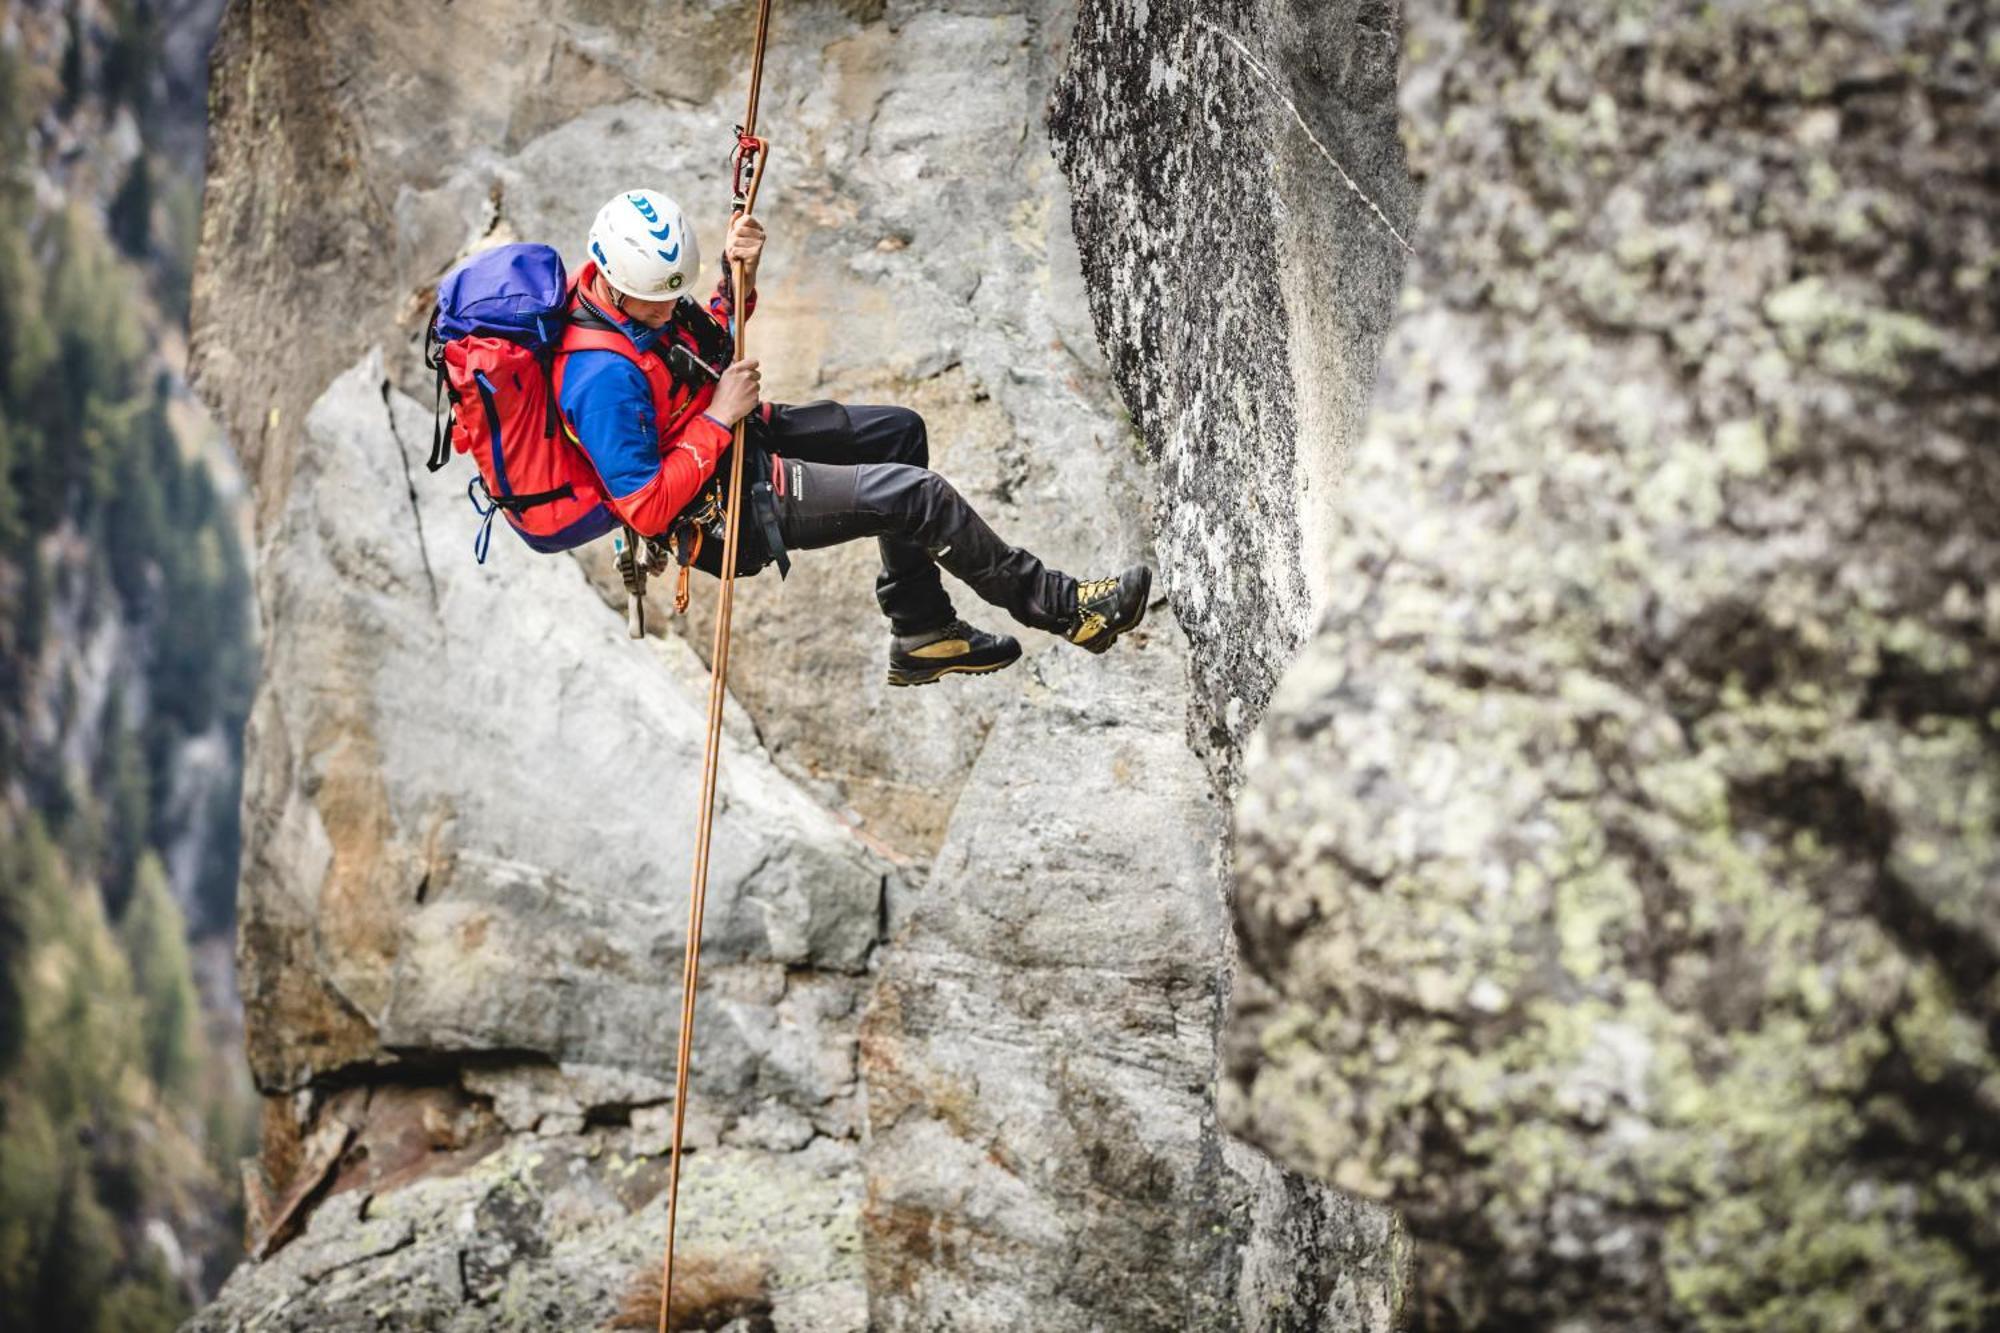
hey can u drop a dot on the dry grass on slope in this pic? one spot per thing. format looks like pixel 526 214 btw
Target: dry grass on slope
pixel 711 1289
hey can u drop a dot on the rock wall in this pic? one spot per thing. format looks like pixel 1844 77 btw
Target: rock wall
pixel 967 945
pixel 1242 191
pixel 1617 872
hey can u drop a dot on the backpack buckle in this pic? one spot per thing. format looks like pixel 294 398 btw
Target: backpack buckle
pixel 482 541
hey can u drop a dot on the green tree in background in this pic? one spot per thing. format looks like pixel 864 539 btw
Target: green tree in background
pixel 126 789
pixel 87 441
pixel 79 1256
pixel 141 1305
pixel 110 1032
pixel 132 210
pixel 13 958
pixel 155 940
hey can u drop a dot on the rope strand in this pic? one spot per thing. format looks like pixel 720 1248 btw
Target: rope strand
pixel 757 65
pixel 717 696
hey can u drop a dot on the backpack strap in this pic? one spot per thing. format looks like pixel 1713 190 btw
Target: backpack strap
pixel 589 331
pixel 486 504
pixel 440 436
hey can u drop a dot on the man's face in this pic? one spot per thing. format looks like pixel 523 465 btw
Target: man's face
pixel 650 313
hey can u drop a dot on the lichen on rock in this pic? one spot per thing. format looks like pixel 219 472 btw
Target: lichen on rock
pixel 1617 869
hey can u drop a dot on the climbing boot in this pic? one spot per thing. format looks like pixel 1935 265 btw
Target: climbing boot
pixel 1107 608
pixel 955 649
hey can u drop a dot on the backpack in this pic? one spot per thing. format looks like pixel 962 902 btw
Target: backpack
pixel 499 321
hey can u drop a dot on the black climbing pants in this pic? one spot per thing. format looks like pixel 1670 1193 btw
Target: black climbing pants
pixel 838 473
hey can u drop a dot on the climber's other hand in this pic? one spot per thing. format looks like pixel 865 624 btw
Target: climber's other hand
pixel 737 392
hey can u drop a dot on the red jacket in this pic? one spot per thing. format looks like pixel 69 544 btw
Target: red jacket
pixel 652 442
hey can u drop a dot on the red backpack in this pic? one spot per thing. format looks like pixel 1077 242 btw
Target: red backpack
pixel 499 321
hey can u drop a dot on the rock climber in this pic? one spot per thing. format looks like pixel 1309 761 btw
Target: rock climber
pixel 657 420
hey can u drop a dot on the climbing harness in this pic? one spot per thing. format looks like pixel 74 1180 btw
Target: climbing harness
pixel 684 539
pixel 747 165
pixel 682 542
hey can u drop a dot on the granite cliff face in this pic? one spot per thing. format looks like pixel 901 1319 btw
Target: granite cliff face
pixel 1617 872
pixel 967 949
pixel 1238 172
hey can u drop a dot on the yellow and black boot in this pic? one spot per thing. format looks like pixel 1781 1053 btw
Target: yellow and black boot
pixel 1107 608
pixel 955 649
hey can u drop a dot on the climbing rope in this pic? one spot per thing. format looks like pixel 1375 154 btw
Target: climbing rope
pixel 747 174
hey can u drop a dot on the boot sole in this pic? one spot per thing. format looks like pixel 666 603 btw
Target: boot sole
pixel 1103 642
pixel 934 676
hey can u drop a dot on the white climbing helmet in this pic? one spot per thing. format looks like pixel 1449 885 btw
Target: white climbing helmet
pixel 644 247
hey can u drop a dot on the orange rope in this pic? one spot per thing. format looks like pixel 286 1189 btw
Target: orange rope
pixel 757 66
pixel 717 686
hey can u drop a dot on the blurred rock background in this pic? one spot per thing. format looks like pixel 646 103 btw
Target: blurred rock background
pixel 1618 876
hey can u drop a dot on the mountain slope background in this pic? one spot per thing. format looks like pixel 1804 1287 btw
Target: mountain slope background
pixel 126 657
